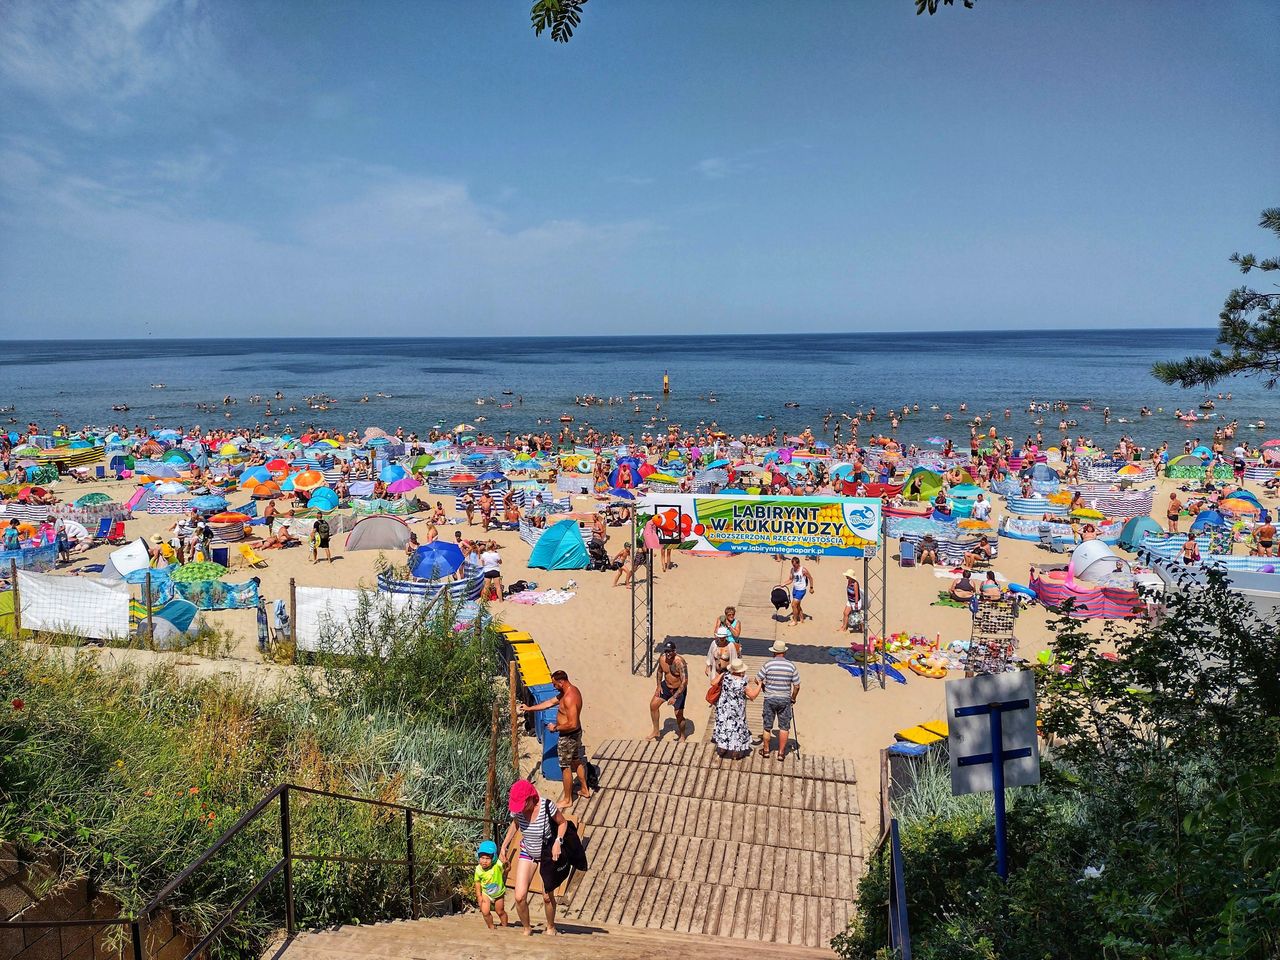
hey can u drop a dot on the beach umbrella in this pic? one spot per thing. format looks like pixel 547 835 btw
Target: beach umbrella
pixel 491 475
pixel 661 478
pixel 371 432
pixel 377 442
pixel 421 461
pixel 230 516
pixel 308 480
pixel 1238 505
pixel 435 560
pixel 276 465
pixel 198 572
pixel 322 498
pixel 266 490
pixel 90 499
pixel 157 576
pixel 1267 444
pixel 403 485
pixel 717 463
pixel 620 494
pixel 392 472
pixel 463 478
pixel 286 485
pixel 228 450
pixel 208 503
pixel 169 487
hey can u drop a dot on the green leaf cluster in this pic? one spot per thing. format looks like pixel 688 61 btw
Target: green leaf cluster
pixel 560 17
pixel 1248 330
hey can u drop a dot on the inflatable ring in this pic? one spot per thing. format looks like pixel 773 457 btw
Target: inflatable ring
pixel 917 665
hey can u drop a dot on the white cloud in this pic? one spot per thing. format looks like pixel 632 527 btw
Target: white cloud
pixel 409 254
pixel 88 58
pixel 714 168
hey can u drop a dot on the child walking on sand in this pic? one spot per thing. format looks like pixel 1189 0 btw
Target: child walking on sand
pixel 491 886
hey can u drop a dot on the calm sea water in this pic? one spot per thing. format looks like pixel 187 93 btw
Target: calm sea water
pixel 431 381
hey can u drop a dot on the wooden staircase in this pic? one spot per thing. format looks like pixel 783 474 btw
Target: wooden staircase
pixel 465 937
pixel 751 849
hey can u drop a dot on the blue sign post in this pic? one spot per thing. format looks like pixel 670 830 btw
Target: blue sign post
pixel 996 758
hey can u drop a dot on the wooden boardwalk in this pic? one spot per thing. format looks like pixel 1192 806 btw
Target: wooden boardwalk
pixel 751 849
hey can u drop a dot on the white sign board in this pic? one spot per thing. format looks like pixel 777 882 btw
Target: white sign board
pixel 970 735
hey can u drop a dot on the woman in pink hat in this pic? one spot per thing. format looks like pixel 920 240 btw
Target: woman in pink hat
pixel 542 828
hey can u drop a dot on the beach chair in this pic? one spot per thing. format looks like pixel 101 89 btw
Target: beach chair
pixel 1048 542
pixel 906 554
pixel 103 531
pixel 116 536
pixel 251 558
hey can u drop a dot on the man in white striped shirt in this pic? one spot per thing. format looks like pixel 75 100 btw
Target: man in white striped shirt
pixel 781 683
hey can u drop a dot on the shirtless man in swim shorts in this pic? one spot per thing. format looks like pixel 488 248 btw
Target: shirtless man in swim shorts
pixel 568 724
pixel 672 679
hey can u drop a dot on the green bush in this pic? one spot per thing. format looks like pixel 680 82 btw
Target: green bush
pixel 128 775
pixel 1164 770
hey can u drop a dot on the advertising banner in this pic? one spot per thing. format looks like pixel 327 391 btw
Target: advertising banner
pixel 821 526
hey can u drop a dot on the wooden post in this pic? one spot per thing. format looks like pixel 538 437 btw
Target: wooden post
pixel 151 622
pixel 515 732
pixel 17 600
pixel 293 616
pixel 493 774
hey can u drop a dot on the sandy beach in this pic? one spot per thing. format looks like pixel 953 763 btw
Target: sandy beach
pixel 589 636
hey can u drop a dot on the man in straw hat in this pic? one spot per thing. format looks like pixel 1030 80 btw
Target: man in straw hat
pixel 780 681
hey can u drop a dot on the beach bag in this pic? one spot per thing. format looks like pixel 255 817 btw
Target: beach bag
pixel 713 691
pixel 573 855
pixel 779 597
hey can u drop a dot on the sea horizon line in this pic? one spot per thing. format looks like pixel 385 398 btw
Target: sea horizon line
pixel 622 336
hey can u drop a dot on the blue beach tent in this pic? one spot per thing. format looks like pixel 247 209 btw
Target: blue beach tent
pixel 560 548
pixel 1136 529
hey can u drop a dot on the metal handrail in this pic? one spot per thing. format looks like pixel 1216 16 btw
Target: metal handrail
pixel 284 866
pixel 899 930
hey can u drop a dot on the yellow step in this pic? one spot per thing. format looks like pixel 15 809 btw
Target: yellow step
pixel 918 735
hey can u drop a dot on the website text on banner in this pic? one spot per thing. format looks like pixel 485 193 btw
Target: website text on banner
pixel 829 526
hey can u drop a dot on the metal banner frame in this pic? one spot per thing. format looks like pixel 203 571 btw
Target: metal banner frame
pixel 875 594
pixel 641 608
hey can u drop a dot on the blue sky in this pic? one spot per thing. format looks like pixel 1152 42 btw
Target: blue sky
pixel 181 167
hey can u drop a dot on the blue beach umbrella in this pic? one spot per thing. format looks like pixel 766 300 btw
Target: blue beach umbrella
pixel 391 473
pixel 491 475
pixel 622 494
pixel 435 560
pixel 208 503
